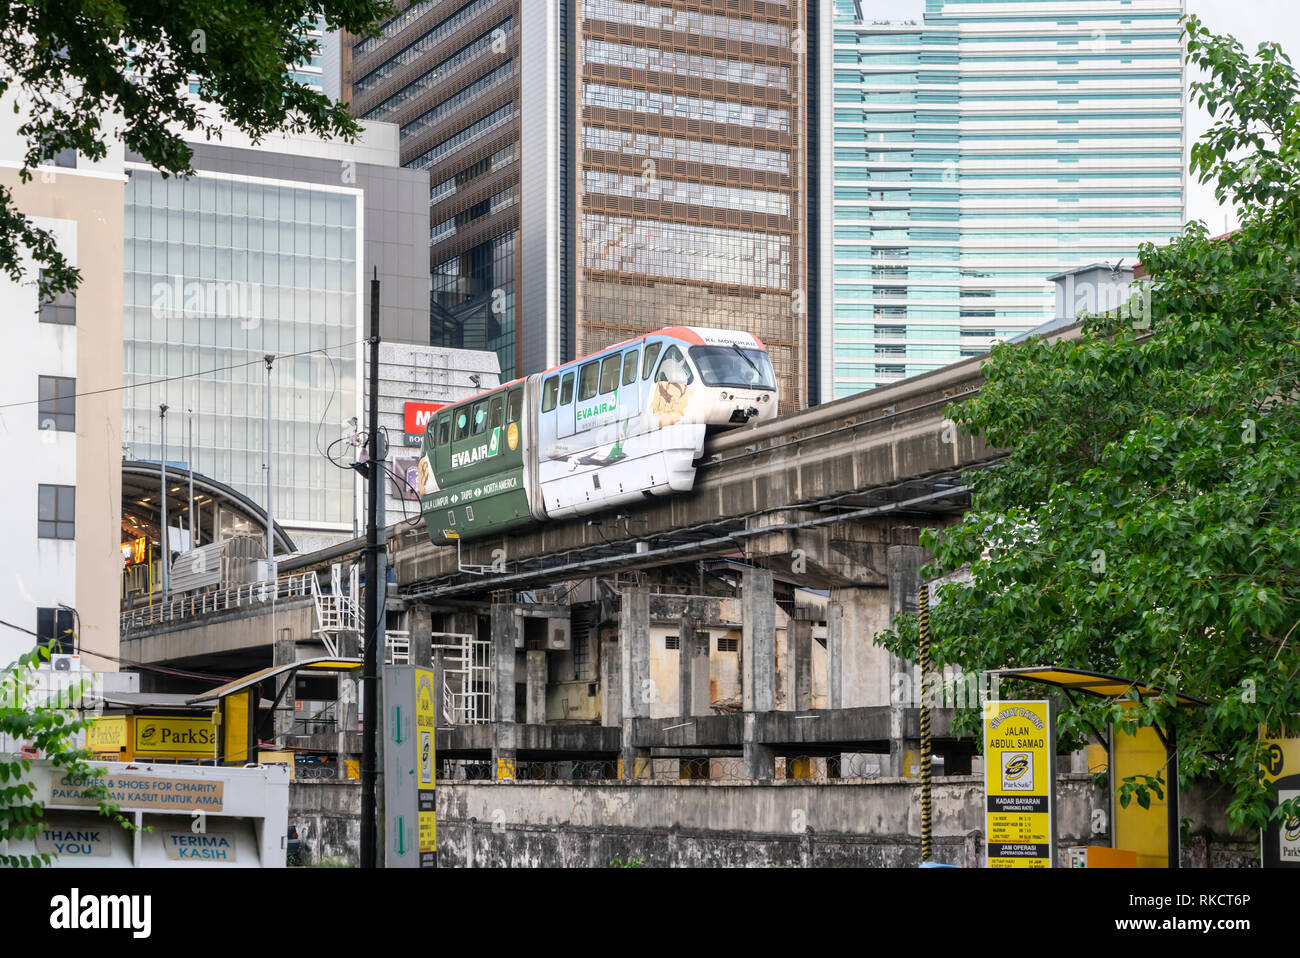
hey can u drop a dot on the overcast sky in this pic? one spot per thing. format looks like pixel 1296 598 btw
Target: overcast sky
pixel 1250 21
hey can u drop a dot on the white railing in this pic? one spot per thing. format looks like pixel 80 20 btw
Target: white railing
pixel 398 645
pixel 470 662
pixel 302 585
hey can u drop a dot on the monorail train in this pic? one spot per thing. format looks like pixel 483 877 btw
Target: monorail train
pixel 609 429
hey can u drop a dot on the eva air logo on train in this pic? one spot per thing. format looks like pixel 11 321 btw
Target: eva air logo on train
pixel 602 407
pixel 470 456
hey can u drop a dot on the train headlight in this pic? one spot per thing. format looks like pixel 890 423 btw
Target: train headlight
pixel 763 398
pixel 723 396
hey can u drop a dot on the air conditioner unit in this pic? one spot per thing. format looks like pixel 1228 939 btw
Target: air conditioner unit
pixel 65 663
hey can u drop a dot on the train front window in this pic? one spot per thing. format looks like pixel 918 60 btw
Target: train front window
pixel 734 366
pixel 462 423
pixel 444 430
pixel 609 374
pixel 651 351
pixel 673 368
pixel 515 405
pixel 629 367
pixel 566 390
pixel 480 417
pixel 494 418
pixel 548 393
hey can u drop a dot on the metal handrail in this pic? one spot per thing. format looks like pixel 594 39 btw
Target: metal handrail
pixel 302 584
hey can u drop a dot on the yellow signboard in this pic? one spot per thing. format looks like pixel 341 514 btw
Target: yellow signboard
pixel 1019 780
pixel 426 720
pixel 1281 840
pixel 182 736
pixel 107 734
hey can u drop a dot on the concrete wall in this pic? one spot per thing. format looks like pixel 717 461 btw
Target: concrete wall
pixel 874 824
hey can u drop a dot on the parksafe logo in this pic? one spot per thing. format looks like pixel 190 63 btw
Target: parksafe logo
pixel 1017 772
pixel 75 911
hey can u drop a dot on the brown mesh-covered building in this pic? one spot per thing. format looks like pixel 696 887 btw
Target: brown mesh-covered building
pixel 600 168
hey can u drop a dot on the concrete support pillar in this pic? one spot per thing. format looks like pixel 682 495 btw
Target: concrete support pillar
pixel 685 678
pixel 637 691
pixel 801 631
pixel 758 669
pixel 864 668
pixel 419 623
pixel 284 652
pixel 506 633
pixel 611 684
pixel 904 564
pixel 759 759
pixel 834 655
pixel 758 645
pixel 698 651
pixel 535 702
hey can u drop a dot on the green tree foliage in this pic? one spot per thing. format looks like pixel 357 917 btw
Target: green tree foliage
pixel 87 68
pixel 1146 522
pixel 28 715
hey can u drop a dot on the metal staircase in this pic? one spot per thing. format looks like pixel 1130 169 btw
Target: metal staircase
pixel 337 611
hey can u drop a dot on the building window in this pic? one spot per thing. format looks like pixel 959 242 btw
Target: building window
pixel 58 403
pixel 672 642
pixel 728 645
pixel 66 157
pixel 55 512
pixel 55 628
pixel 60 309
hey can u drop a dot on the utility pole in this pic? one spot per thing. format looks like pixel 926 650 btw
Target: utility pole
pixel 162 502
pixel 374 628
pixel 270 502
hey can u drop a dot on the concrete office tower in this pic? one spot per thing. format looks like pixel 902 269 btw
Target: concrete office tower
pixel 268 249
pixel 62 424
pixel 977 150
pixel 600 168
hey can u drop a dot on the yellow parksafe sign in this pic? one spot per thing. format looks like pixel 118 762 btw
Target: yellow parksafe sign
pixel 1280 840
pixel 1019 775
pixel 426 720
pixel 175 735
pixel 106 734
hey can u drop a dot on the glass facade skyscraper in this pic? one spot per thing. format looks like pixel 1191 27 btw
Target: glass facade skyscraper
pixel 690 174
pixel 221 270
pixel 980 149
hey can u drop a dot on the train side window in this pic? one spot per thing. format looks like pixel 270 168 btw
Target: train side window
pixel 587 380
pixel 480 416
pixel 674 369
pixel 651 351
pixel 566 390
pixel 462 423
pixel 609 373
pixel 514 405
pixel 444 430
pixel 498 407
pixel 549 392
pixel 629 367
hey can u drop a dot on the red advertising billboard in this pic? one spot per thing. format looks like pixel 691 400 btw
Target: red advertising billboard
pixel 417 417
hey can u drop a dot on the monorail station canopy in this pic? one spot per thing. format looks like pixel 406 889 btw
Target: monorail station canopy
pixel 221 511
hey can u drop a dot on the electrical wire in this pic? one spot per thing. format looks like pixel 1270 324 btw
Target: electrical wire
pixel 171 379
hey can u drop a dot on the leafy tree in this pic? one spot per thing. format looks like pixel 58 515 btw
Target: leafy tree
pixel 79 64
pixel 1146 520
pixel 50 726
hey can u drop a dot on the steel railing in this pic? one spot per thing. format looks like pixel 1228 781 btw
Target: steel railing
pixel 301 585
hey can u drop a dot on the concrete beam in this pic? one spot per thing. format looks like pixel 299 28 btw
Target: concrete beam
pixel 506 635
pixel 284 652
pixel 803 679
pixel 419 623
pixel 834 655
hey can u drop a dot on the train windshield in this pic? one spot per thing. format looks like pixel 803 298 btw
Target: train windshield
pixel 734 366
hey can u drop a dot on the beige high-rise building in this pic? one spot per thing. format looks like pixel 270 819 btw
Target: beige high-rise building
pixel 61 414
